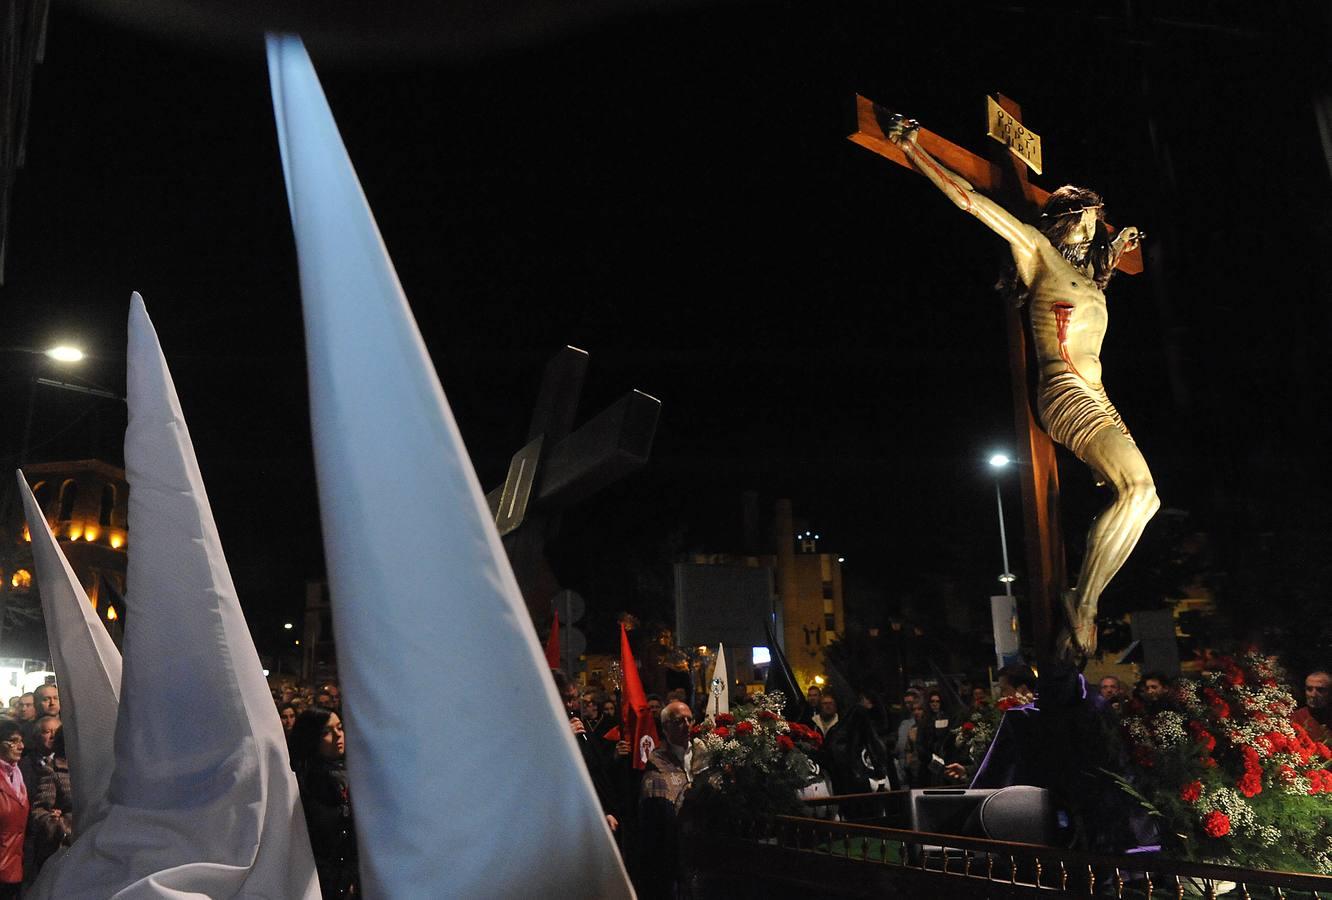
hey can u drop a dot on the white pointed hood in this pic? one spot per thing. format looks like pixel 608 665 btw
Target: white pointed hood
pixel 447 799
pixel 87 667
pixel 719 685
pixel 202 800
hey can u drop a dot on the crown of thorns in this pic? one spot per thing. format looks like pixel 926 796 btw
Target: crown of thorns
pixel 1074 212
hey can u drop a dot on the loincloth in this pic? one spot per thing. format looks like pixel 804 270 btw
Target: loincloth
pixel 1073 412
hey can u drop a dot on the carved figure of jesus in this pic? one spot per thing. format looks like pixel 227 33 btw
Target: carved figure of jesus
pixel 1062 267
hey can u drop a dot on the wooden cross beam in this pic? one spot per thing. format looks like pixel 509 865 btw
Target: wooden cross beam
pixel 1038 465
pixel 560 466
pixel 1006 177
pixel 988 177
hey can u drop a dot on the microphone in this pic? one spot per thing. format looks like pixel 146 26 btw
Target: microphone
pixel 573 715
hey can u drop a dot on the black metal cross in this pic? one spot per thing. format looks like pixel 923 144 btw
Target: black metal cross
pixel 560 466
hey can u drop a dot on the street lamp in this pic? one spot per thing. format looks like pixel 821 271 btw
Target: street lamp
pixel 998 462
pixel 65 353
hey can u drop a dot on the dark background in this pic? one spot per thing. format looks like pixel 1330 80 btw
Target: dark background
pixel 674 193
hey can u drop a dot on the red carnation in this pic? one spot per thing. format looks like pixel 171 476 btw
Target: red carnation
pixel 722 731
pixel 1216 824
pixel 968 727
pixel 805 733
pixel 744 728
pixel 1191 792
pixel 1202 735
pixel 724 719
pixel 1250 785
pixel 785 743
pixel 766 715
pixel 1323 750
pixel 695 730
pixel 1218 703
pixel 1007 703
pixel 1287 774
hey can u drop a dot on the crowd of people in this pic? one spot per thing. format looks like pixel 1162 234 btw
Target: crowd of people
pixel 917 742
pixel 36 806
pixel 317 746
pixel 867 745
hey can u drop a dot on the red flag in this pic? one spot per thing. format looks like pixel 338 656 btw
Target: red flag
pixel 638 726
pixel 553 643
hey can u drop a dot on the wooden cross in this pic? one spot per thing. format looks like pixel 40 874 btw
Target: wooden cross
pixel 1006 178
pixel 560 466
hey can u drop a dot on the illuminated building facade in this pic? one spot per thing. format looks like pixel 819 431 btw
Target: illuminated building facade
pixel 807 585
pixel 86 503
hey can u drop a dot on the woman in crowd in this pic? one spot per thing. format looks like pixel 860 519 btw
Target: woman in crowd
pixel 318 752
pixel 13 809
pixel 287 713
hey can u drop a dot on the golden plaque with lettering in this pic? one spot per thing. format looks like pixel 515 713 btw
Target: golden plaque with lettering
pixel 1024 143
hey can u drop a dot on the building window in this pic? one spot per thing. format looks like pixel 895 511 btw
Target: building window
pixel 827 590
pixel 830 624
pixel 41 492
pixel 108 505
pixel 69 493
pixel 22 580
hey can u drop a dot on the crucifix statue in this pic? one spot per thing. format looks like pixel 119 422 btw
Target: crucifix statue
pixel 1060 269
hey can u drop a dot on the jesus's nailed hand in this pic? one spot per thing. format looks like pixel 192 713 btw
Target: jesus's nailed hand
pixel 899 129
pixel 1130 237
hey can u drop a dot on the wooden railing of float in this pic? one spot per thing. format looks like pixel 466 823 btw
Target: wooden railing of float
pixel 843 859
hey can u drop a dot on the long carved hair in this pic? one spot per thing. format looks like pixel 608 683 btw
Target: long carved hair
pixel 1059 217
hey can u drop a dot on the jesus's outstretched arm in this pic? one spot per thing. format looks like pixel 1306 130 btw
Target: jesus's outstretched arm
pixel 902 132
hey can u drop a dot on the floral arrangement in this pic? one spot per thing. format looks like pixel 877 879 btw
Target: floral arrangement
pixel 974 736
pixel 1231 777
pixel 754 762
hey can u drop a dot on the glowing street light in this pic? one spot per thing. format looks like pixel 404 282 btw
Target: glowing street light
pixel 287 626
pixel 65 353
pixel 998 462
pixel 62 353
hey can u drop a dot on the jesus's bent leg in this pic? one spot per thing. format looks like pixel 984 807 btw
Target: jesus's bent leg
pixel 1116 530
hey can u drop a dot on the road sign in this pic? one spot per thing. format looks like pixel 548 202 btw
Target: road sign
pixel 570 605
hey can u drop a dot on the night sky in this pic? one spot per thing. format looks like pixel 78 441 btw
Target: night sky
pixel 674 193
